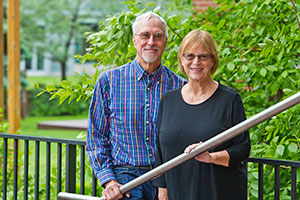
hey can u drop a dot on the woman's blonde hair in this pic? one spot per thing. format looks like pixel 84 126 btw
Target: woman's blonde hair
pixel 195 39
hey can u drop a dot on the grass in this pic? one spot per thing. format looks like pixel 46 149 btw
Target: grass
pixel 29 127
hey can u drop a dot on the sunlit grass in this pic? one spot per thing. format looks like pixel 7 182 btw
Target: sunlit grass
pixel 29 127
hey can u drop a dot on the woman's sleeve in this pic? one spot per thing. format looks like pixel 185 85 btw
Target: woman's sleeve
pixel 240 146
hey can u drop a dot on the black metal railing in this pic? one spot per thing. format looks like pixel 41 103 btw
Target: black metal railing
pixel 277 164
pixel 11 144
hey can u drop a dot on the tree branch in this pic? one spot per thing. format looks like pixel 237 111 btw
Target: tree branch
pixel 295 11
pixel 174 32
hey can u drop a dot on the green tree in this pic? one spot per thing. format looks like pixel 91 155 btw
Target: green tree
pixel 52 26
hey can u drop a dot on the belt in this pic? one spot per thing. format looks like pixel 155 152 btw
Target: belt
pixel 136 167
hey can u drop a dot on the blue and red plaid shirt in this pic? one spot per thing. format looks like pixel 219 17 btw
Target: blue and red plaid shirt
pixel 122 125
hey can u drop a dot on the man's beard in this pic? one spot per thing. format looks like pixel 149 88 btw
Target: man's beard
pixel 150 58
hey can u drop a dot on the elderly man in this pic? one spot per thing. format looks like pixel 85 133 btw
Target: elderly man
pixel 122 130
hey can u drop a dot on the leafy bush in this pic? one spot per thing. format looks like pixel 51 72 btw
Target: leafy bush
pixel 43 106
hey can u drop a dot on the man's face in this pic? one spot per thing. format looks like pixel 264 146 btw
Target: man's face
pixel 149 41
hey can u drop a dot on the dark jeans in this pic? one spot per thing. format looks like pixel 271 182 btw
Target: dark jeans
pixel 146 191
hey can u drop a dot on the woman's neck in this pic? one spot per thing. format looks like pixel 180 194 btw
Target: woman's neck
pixel 196 92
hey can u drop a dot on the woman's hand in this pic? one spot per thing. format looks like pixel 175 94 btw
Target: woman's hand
pixel 204 157
pixel 162 194
pixel 218 158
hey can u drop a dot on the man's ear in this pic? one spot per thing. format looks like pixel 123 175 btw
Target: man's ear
pixel 133 39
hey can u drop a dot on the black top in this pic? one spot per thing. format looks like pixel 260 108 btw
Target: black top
pixel 181 124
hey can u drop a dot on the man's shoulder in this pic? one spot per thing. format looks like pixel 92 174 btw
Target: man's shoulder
pixel 172 74
pixel 116 71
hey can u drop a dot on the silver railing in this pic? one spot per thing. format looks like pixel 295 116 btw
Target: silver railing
pixel 213 142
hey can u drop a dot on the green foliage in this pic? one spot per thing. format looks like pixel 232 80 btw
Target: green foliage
pixel 3 125
pixel 42 106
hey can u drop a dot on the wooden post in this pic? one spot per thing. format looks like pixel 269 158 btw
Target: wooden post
pixel 1 58
pixel 13 66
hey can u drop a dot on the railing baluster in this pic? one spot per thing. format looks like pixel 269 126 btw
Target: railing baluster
pixel 16 150
pixel 260 181
pixel 293 183
pixel 82 168
pixel 37 169
pixel 59 160
pixel 5 154
pixel 26 163
pixel 276 184
pixel 71 168
pixel 48 166
pixel 94 182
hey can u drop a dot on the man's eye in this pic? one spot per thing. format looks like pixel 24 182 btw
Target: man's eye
pixel 145 35
pixel 158 35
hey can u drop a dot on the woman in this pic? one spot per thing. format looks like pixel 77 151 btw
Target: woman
pixel 198 111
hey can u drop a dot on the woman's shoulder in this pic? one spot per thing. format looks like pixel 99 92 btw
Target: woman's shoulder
pixel 228 94
pixel 172 94
pixel 225 90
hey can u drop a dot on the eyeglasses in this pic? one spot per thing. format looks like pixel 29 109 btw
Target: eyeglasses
pixel 191 56
pixel 146 36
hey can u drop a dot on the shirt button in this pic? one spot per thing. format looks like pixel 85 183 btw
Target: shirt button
pixel 150 154
pixel 147 122
pixel 148 88
pixel 147 104
pixel 147 138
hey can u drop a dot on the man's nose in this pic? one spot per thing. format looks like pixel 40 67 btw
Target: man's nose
pixel 151 40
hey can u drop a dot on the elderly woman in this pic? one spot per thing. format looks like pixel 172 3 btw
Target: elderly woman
pixel 198 111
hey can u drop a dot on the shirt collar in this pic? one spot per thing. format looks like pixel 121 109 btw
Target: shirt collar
pixel 140 72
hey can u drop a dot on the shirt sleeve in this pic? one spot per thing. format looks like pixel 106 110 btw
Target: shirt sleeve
pixel 159 181
pixel 98 145
pixel 239 148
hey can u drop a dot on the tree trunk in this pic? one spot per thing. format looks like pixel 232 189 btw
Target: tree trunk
pixel 63 70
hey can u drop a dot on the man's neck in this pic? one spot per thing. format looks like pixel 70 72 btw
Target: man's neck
pixel 149 67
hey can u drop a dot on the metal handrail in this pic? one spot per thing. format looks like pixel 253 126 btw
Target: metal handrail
pixel 213 142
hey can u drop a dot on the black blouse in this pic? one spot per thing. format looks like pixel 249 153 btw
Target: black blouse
pixel 181 124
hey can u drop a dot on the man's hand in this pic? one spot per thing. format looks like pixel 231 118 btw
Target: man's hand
pixel 112 191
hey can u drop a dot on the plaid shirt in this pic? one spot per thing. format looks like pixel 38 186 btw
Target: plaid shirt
pixel 122 117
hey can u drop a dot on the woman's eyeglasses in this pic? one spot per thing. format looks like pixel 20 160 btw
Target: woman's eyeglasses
pixel 146 36
pixel 191 56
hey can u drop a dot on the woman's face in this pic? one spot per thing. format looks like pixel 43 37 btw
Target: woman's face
pixel 197 64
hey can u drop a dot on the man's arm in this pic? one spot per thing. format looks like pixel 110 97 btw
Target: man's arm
pixel 98 144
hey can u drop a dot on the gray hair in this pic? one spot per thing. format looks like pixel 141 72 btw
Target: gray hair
pixel 148 16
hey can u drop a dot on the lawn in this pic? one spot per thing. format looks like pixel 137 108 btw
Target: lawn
pixel 29 127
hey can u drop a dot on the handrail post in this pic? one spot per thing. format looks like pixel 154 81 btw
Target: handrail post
pixel 71 168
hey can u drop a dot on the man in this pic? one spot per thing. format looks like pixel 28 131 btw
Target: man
pixel 121 137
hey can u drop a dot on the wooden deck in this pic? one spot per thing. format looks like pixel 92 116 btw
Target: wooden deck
pixel 76 124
